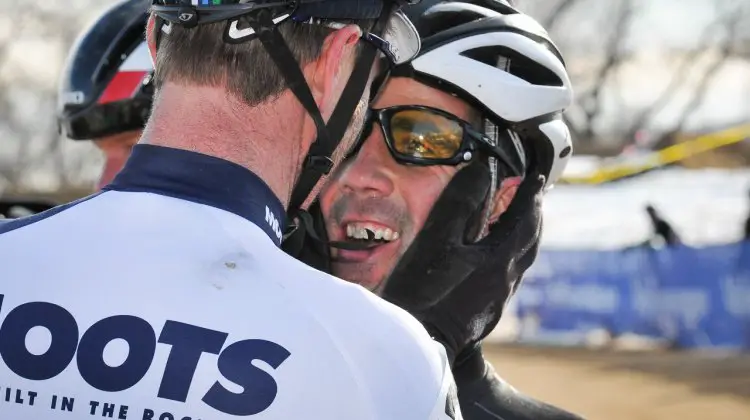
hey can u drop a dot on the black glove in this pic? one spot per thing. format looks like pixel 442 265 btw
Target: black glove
pixel 456 288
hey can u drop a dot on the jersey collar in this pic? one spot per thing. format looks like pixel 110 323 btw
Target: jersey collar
pixel 205 180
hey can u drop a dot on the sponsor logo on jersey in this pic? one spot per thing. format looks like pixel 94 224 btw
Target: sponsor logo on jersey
pixel 273 222
pixel 253 389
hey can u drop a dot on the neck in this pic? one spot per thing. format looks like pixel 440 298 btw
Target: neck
pixel 266 139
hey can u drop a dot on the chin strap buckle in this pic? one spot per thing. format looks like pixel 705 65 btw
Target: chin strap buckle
pixel 320 164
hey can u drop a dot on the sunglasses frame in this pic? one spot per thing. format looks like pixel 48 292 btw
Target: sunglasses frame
pixel 471 141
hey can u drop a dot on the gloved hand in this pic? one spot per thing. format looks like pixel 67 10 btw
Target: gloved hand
pixel 456 288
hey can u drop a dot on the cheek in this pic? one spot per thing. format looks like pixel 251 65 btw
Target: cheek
pixel 116 154
pixel 421 192
pixel 327 196
pixel 112 166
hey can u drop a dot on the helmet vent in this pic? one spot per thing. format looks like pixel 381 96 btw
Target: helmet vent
pixel 514 63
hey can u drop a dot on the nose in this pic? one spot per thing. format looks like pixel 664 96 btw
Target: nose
pixel 371 170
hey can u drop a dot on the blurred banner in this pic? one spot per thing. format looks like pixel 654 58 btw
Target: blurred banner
pixel 685 297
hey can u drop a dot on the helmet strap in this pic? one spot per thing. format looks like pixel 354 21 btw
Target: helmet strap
pixel 318 161
pixel 491 131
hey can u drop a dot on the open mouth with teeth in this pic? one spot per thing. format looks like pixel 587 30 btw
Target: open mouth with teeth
pixel 370 249
pixel 364 242
pixel 370 232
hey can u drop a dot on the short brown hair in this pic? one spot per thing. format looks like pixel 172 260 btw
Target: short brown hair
pixel 200 56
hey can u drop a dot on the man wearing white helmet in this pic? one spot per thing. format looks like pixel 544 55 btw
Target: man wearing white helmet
pixel 439 209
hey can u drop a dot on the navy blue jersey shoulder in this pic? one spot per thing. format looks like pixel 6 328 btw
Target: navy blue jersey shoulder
pixel 202 179
pixel 13 224
pixel 192 177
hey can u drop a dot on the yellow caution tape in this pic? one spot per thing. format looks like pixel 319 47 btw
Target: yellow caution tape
pixel 666 156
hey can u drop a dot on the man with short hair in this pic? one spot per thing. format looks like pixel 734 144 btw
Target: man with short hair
pixel 168 287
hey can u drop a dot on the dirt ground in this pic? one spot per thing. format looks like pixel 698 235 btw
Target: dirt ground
pixel 608 385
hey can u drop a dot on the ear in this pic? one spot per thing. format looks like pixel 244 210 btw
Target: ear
pixel 503 197
pixel 333 67
pixel 151 38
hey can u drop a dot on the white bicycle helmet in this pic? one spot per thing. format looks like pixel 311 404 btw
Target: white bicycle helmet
pixel 502 62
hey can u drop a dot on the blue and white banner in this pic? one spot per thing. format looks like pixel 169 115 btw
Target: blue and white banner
pixel 692 297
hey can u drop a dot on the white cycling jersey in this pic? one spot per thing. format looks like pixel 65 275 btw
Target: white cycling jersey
pixel 166 297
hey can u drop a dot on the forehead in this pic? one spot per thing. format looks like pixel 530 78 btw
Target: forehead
pixel 405 91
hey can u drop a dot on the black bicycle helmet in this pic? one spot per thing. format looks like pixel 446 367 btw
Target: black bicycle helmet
pixel 106 85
